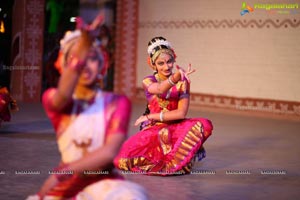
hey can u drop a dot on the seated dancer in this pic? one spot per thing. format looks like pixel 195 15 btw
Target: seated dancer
pixel 90 124
pixel 168 143
pixel 7 104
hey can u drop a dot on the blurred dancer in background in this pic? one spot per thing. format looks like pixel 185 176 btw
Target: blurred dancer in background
pixel 168 142
pixel 7 104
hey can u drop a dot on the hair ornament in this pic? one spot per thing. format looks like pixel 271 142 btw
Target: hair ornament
pixel 69 36
pixel 151 48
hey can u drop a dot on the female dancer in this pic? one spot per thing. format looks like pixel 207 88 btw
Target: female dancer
pixel 168 142
pixel 90 124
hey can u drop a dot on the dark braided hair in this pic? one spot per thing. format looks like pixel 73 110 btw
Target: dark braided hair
pixel 156 38
pixel 147 112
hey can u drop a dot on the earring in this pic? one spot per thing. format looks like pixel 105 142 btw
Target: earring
pixel 153 67
pixel 100 80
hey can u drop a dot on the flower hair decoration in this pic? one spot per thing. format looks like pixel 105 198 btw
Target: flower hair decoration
pixel 151 48
pixel 65 45
pixel 69 36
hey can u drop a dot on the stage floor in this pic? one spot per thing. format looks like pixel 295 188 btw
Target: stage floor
pixel 247 158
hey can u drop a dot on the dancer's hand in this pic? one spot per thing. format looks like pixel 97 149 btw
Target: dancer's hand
pixel 50 183
pixel 34 197
pixel 88 33
pixel 81 48
pixel 140 120
pixel 97 22
pixel 185 73
pixel 93 28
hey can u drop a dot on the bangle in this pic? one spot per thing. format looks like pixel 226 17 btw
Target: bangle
pixel 63 173
pixel 161 116
pixel 150 120
pixel 170 81
pixel 75 63
pixel 173 80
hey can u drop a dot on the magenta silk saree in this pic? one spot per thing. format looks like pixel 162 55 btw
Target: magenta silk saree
pixel 165 148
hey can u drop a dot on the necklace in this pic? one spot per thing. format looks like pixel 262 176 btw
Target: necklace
pixel 81 104
pixel 163 102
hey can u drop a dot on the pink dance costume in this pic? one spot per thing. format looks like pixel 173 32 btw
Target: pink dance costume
pixel 165 148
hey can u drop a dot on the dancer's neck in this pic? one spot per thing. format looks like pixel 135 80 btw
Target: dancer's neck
pixel 85 93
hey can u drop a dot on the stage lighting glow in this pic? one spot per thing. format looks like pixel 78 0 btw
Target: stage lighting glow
pixel 2 28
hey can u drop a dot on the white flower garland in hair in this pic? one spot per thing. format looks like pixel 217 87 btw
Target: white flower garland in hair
pixel 72 35
pixel 69 35
pixel 158 43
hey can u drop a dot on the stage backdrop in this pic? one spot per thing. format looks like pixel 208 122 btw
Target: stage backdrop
pixel 27 50
pixel 246 53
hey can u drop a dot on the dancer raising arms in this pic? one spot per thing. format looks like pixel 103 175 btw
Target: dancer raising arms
pixel 91 125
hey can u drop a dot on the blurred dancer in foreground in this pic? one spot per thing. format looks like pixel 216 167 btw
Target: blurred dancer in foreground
pixel 91 125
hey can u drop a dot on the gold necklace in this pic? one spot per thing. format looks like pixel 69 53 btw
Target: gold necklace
pixel 163 103
pixel 83 102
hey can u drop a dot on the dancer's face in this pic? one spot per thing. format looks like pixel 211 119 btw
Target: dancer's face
pixel 164 65
pixel 90 72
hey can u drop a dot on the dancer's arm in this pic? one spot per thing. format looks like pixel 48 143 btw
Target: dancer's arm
pixel 62 95
pixel 75 62
pixel 101 158
pixel 183 103
pixel 179 113
pixel 164 86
